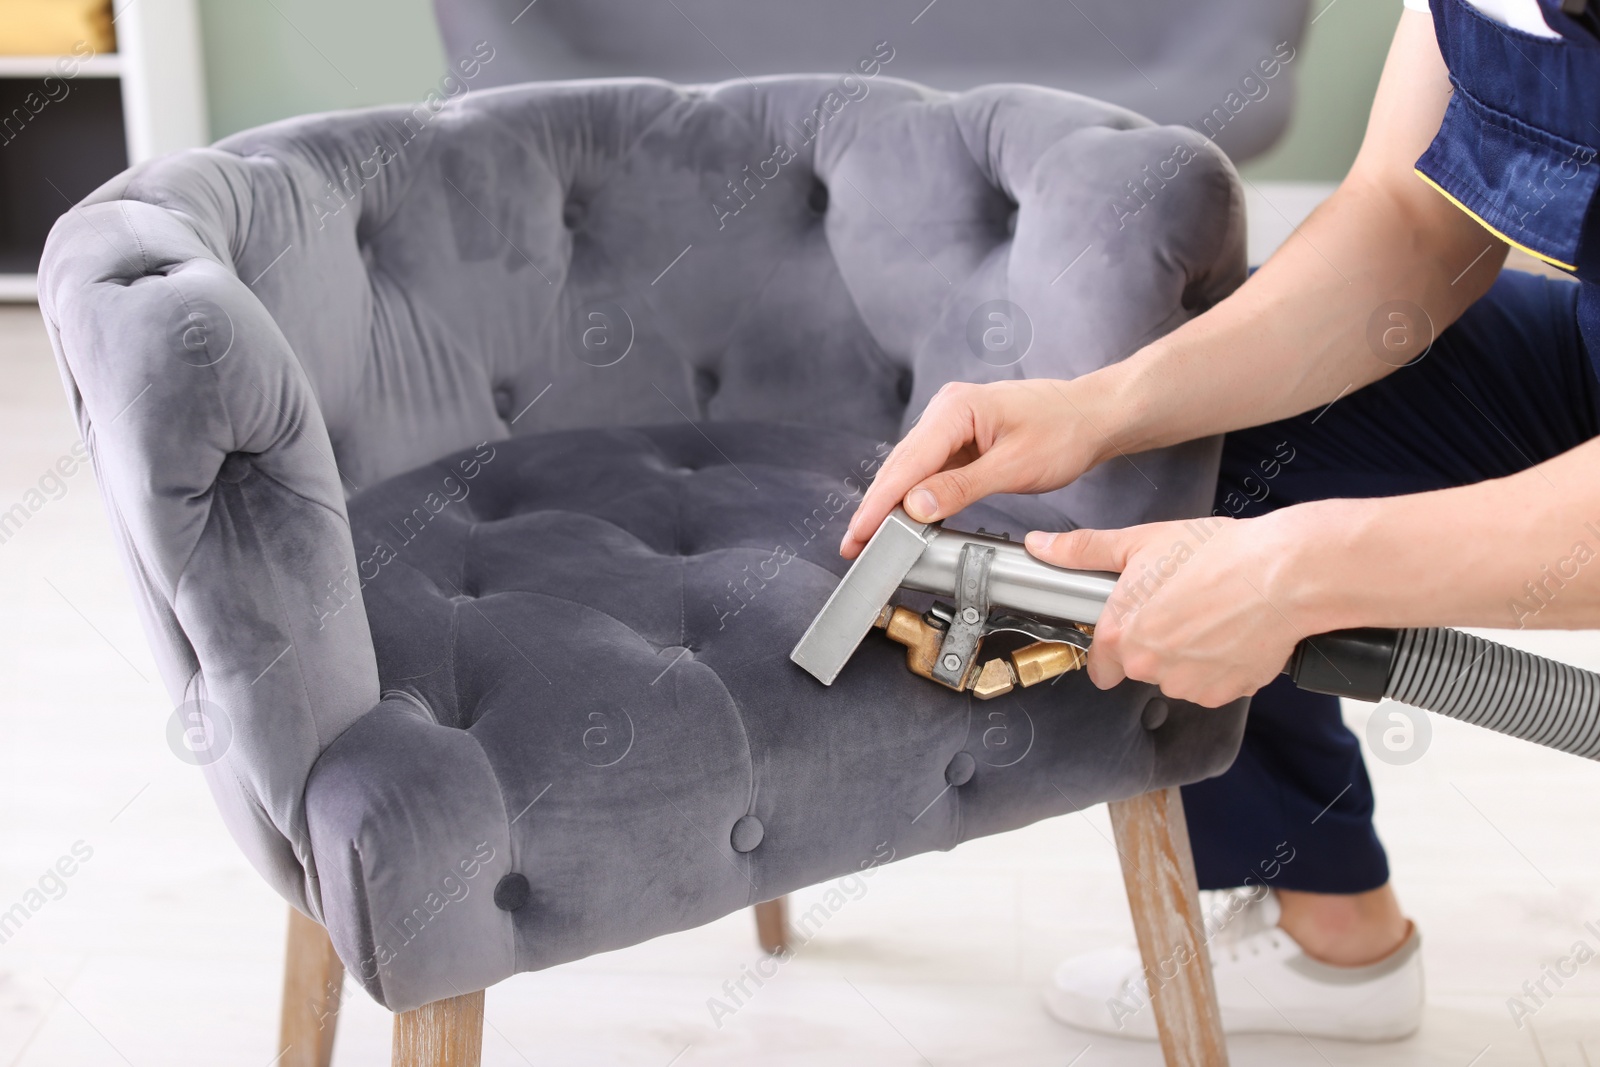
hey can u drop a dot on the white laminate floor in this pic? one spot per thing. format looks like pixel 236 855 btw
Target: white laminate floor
pixel 163 948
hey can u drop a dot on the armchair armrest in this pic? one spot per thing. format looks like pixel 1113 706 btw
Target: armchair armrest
pixel 216 470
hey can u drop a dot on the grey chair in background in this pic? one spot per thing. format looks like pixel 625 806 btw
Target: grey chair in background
pixel 1223 67
pixel 475 471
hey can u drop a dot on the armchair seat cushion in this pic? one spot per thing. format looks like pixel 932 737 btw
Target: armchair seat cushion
pixel 582 641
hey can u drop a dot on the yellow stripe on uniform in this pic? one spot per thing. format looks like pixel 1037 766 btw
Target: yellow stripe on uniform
pixel 1474 217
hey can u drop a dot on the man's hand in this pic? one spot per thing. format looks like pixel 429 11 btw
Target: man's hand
pixel 974 440
pixel 1194 611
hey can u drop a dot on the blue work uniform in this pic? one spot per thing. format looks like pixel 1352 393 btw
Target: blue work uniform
pixel 1509 385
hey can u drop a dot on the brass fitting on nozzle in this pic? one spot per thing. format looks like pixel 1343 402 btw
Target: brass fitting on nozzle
pixel 1027 666
pixel 920 637
pixel 1030 665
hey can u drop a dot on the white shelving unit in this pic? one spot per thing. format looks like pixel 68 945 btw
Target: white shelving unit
pixel 43 66
pixel 162 81
pixel 18 288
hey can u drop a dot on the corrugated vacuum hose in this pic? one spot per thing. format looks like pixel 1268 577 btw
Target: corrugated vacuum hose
pixel 1461 676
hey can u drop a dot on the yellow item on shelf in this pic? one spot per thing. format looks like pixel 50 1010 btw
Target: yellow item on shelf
pixel 55 27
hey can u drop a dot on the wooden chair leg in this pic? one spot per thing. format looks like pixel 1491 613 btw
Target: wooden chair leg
pixel 772 925
pixel 313 979
pixel 1158 872
pixel 446 1033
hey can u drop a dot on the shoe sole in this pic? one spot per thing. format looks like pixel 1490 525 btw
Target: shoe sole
pixel 1253 1028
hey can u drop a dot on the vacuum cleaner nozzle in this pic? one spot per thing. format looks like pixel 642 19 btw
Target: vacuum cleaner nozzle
pixel 998 587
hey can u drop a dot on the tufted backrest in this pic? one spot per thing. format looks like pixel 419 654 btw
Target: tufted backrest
pixel 336 299
pixel 1176 61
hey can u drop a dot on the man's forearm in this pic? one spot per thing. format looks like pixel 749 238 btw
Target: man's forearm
pixel 1514 552
pixel 1296 334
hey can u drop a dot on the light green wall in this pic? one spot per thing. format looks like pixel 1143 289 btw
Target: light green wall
pixel 268 59
pixel 1340 63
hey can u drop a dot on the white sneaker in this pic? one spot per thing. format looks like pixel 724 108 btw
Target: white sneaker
pixel 1266 984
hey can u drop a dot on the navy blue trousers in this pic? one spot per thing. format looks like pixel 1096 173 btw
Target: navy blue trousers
pixel 1507 386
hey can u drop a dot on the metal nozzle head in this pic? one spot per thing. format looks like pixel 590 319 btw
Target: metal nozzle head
pixel 855 605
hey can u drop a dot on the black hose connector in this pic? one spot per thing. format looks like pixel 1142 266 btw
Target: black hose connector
pixel 1499 688
pixel 1346 663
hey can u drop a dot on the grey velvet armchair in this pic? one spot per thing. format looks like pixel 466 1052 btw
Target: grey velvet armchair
pixel 476 471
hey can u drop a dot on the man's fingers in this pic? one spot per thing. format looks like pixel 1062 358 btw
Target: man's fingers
pixel 944 429
pixel 1105 671
pixel 1085 550
pixel 941 495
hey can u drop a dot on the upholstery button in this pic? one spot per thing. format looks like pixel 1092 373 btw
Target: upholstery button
pixel 511 892
pixel 572 214
pixel 817 198
pixel 959 772
pixel 1155 713
pixel 1011 223
pixel 502 401
pixel 706 384
pixel 235 467
pixel 747 833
